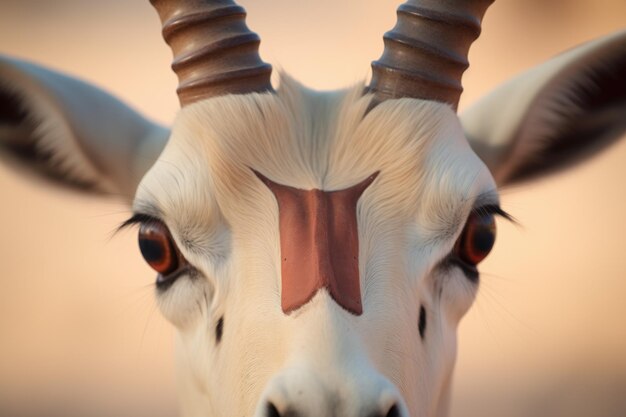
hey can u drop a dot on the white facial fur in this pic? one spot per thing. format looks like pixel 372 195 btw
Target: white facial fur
pixel 225 222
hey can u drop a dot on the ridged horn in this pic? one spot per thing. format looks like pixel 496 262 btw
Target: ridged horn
pixel 214 51
pixel 425 54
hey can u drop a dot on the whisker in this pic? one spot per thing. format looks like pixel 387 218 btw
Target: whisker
pixel 145 329
pixel 494 297
pixel 485 321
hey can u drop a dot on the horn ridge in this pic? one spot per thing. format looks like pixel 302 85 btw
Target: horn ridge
pixel 177 23
pixel 465 21
pixel 225 83
pixel 450 57
pixel 214 51
pixel 425 54
pixel 400 77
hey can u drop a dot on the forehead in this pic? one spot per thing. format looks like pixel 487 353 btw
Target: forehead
pixel 310 140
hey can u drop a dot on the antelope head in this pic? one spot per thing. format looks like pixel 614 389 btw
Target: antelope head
pixel 316 251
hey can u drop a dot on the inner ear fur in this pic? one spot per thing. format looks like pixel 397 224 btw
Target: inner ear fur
pixel 72 132
pixel 554 115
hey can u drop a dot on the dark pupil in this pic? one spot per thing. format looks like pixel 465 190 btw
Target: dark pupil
pixel 483 238
pixel 157 248
pixel 477 239
pixel 152 250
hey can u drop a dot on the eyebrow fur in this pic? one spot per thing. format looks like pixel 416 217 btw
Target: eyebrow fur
pixel 137 218
pixel 488 203
pixel 494 209
pixel 480 209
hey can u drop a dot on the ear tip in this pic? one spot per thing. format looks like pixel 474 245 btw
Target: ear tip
pixel 49 126
pixel 555 115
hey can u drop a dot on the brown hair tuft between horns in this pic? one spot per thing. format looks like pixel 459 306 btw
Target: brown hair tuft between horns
pixel 214 51
pixel 425 54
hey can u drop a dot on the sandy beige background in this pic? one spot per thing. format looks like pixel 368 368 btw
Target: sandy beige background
pixel 79 332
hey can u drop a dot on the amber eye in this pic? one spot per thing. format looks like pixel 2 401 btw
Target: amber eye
pixel 477 238
pixel 158 248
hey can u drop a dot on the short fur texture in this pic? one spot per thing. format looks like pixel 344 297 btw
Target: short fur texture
pixel 226 222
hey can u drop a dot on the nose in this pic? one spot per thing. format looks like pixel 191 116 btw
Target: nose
pixel 302 393
pixel 272 411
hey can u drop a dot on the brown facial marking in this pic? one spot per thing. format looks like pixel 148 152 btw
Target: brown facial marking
pixel 319 244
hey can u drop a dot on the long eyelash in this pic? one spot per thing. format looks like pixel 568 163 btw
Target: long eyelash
pixel 494 209
pixel 137 218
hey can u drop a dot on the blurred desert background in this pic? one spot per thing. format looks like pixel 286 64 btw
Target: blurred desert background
pixel 79 331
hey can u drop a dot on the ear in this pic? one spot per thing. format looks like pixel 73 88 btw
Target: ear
pixel 73 132
pixel 556 114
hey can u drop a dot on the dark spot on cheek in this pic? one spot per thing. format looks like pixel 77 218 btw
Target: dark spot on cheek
pixel 421 325
pixel 219 329
pixel 271 410
pixel 394 412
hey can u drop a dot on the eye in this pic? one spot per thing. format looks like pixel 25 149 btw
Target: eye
pixel 477 238
pixel 160 252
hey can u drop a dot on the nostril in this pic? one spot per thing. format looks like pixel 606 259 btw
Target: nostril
pixel 393 412
pixel 271 410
